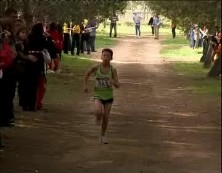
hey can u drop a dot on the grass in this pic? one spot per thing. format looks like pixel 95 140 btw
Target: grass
pixel 186 63
pixel 178 50
pixel 65 85
pixel 103 40
pixel 197 78
pixel 70 81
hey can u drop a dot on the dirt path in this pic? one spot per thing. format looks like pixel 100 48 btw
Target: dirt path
pixel 156 125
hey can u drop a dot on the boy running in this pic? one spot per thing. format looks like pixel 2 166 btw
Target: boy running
pixel 106 77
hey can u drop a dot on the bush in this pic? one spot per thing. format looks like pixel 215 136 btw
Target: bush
pixel 129 23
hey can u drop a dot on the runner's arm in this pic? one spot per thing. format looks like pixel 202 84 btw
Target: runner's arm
pixel 87 75
pixel 115 80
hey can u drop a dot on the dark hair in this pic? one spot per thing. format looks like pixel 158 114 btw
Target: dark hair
pixel 60 28
pixel 108 50
pixel 52 26
pixel 37 29
pixel 10 11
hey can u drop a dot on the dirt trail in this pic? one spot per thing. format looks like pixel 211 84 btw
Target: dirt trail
pixel 156 125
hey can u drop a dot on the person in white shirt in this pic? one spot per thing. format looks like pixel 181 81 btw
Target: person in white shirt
pixel 137 19
pixel 156 25
pixel 113 19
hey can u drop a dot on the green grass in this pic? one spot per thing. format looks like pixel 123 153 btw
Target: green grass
pixel 178 50
pixel 104 41
pixel 61 87
pixel 197 78
pixel 187 64
pixel 65 85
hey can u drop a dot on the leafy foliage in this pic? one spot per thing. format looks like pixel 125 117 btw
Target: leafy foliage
pixel 66 10
pixel 204 12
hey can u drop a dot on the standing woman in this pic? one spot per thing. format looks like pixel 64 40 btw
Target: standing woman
pixel 36 44
pixel 53 33
pixel 66 38
pixel 61 38
pixel 151 24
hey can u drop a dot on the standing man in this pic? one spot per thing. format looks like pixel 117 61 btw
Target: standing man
pixel 151 24
pixel 113 21
pixel 137 19
pixel 156 25
pixel 84 43
pixel 92 25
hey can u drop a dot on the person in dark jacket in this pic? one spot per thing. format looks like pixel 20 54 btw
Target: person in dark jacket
pixel 113 19
pixel 151 25
pixel 35 72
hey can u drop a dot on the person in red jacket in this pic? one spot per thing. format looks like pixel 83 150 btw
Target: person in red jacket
pixel 61 39
pixel 57 40
pixel 7 77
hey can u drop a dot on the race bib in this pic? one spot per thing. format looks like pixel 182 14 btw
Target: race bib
pixel 103 83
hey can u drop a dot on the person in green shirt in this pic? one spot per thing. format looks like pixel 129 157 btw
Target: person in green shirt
pixel 105 78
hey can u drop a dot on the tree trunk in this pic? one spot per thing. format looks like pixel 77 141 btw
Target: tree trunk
pixel 205 48
pixel 3 5
pixel 27 14
pixel 215 71
pixel 104 23
pixel 10 4
pixel 144 11
pixel 207 62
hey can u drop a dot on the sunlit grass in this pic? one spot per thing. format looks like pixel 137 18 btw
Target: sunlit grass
pixel 104 41
pixel 197 78
pixel 123 29
pixel 186 63
pixel 178 49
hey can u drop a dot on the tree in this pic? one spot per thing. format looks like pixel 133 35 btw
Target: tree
pixel 206 12
pixel 215 70
pixel 69 10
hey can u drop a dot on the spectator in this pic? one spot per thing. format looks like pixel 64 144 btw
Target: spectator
pixel 57 41
pixel 191 36
pixel 93 25
pixel 76 38
pixel 113 19
pixel 137 20
pixel 156 25
pixel 151 24
pixel 66 38
pixel 7 78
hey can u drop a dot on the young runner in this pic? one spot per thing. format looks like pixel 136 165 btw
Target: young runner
pixel 105 77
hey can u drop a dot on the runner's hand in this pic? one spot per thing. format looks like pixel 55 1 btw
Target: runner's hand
pixel 115 84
